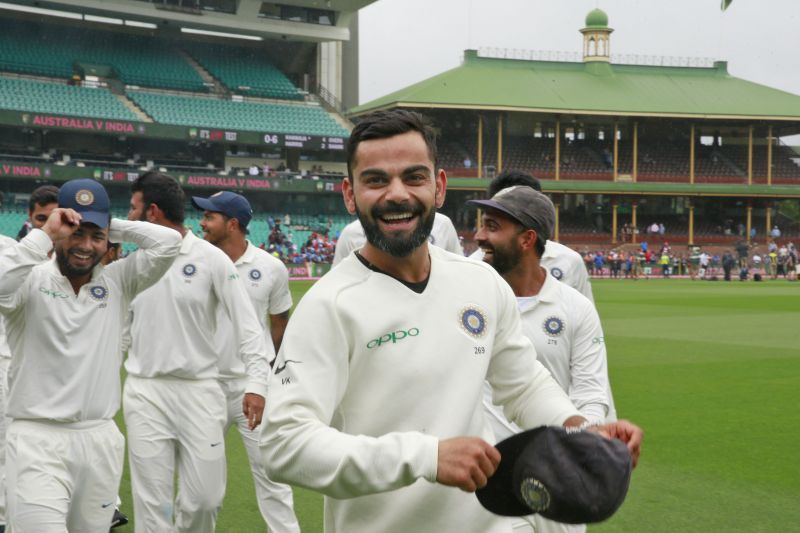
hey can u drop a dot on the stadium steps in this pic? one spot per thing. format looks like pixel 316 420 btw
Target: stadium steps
pixel 213 83
pixel 136 110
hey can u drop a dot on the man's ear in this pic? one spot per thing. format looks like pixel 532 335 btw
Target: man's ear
pixel 349 195
pixel 528 239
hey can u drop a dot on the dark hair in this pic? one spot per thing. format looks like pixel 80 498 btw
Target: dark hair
pixel 164 191
pixel 385 124
pixel 46 194
pixel 510 178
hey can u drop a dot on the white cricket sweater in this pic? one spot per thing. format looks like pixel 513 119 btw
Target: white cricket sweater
pixel 174 322
pixel 443 234
pixel 371 375
pixel 5 351
pixel 266 281
pixel 66 348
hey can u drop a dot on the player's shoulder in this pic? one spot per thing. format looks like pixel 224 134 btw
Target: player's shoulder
pixel 6 241
pixel 556 249
pixel 202 249
pixel 265 259
pixel 353 228
pixel 461 265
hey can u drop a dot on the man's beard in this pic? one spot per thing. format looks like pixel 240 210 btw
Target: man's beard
pixel 68 270
pixel 504 259
pixel 396 246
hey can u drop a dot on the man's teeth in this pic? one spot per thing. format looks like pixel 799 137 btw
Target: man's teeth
pixel 397 216
pixel 81 256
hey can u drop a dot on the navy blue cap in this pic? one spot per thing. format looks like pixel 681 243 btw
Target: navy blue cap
pixel 87 197
pixel 229 204
pixel 573 477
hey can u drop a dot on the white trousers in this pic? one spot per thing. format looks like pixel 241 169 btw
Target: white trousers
pixel 275 500
pixel 62 477
pixel 4 363
pixel 175 423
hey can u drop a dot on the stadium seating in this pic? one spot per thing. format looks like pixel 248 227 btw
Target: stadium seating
pixel 27 47
pixel 44 97
pixel 226 114
pixel 244 71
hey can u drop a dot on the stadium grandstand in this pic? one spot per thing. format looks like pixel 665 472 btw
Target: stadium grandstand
pixel 245 96
pixel 251 96
pixel 619 143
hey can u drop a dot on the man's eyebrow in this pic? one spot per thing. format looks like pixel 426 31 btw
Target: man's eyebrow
pixel 406 171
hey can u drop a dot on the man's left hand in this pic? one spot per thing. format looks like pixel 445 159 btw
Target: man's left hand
pixel 253 408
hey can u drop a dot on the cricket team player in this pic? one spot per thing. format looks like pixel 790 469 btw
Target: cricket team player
pixel 562 324
pixel 225 219
pixel 175 410
pixel 563 263
pixel 443 234
pixel 380 409
pixel 64 318
pixel 5 360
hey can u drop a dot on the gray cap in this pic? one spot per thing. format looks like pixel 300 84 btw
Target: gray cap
pixel 530 208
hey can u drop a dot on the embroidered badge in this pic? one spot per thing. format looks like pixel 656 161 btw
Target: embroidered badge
pixel 553 326
pixel 473 321
pixel 84 197
pixel 98 292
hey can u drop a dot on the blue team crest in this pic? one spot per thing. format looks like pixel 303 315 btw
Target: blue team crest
pixel 553 326
pixel 189 270
pixel 255 274
pixel 473 321
pixel 98 292
pixel 557 273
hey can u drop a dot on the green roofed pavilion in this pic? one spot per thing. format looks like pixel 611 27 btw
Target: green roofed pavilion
pixel 594 88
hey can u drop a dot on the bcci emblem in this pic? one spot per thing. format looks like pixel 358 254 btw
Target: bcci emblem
pixel 189 270
pixel 473 322
pixel 556 273
pixel 98 292
pixel 255 274
pixel 84 197
pixel 535 495
pixel 553 326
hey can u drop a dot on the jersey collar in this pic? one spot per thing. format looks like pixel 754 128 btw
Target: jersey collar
pixel 249 254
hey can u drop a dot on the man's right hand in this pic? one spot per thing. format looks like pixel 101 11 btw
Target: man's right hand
pixel 61 223
pixel 466 463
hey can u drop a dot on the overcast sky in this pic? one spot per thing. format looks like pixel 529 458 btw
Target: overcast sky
pixel 406 41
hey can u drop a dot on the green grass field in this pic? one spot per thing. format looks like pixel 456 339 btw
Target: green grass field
pixel 711 371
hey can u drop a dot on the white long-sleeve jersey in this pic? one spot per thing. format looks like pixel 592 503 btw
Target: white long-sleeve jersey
pixel 5 351
pixel 563 263
pixel 565 329
pixel 266 281
pixel 443 234
pixel 173 323
pixel 371 375
pixel 66 348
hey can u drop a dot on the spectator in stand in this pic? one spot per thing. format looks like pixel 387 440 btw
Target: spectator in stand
pixel 792 263
pixel 776 232
pixel 771 263
pixel 742 249
pixel 661 229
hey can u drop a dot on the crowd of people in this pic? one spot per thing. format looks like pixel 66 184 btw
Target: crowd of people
pixel 743 262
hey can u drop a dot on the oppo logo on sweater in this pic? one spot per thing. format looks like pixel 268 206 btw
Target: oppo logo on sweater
pixel 392 337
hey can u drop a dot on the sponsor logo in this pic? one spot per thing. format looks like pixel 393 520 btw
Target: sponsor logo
pixel 107 505
pixel 189 270
pixel 392 337
pixel 557 273
pixel 98 292
pixel 215 444
pixel 53 294
pixel 255 274
pixel 473 321
pixel 281 368
pixel 553 326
